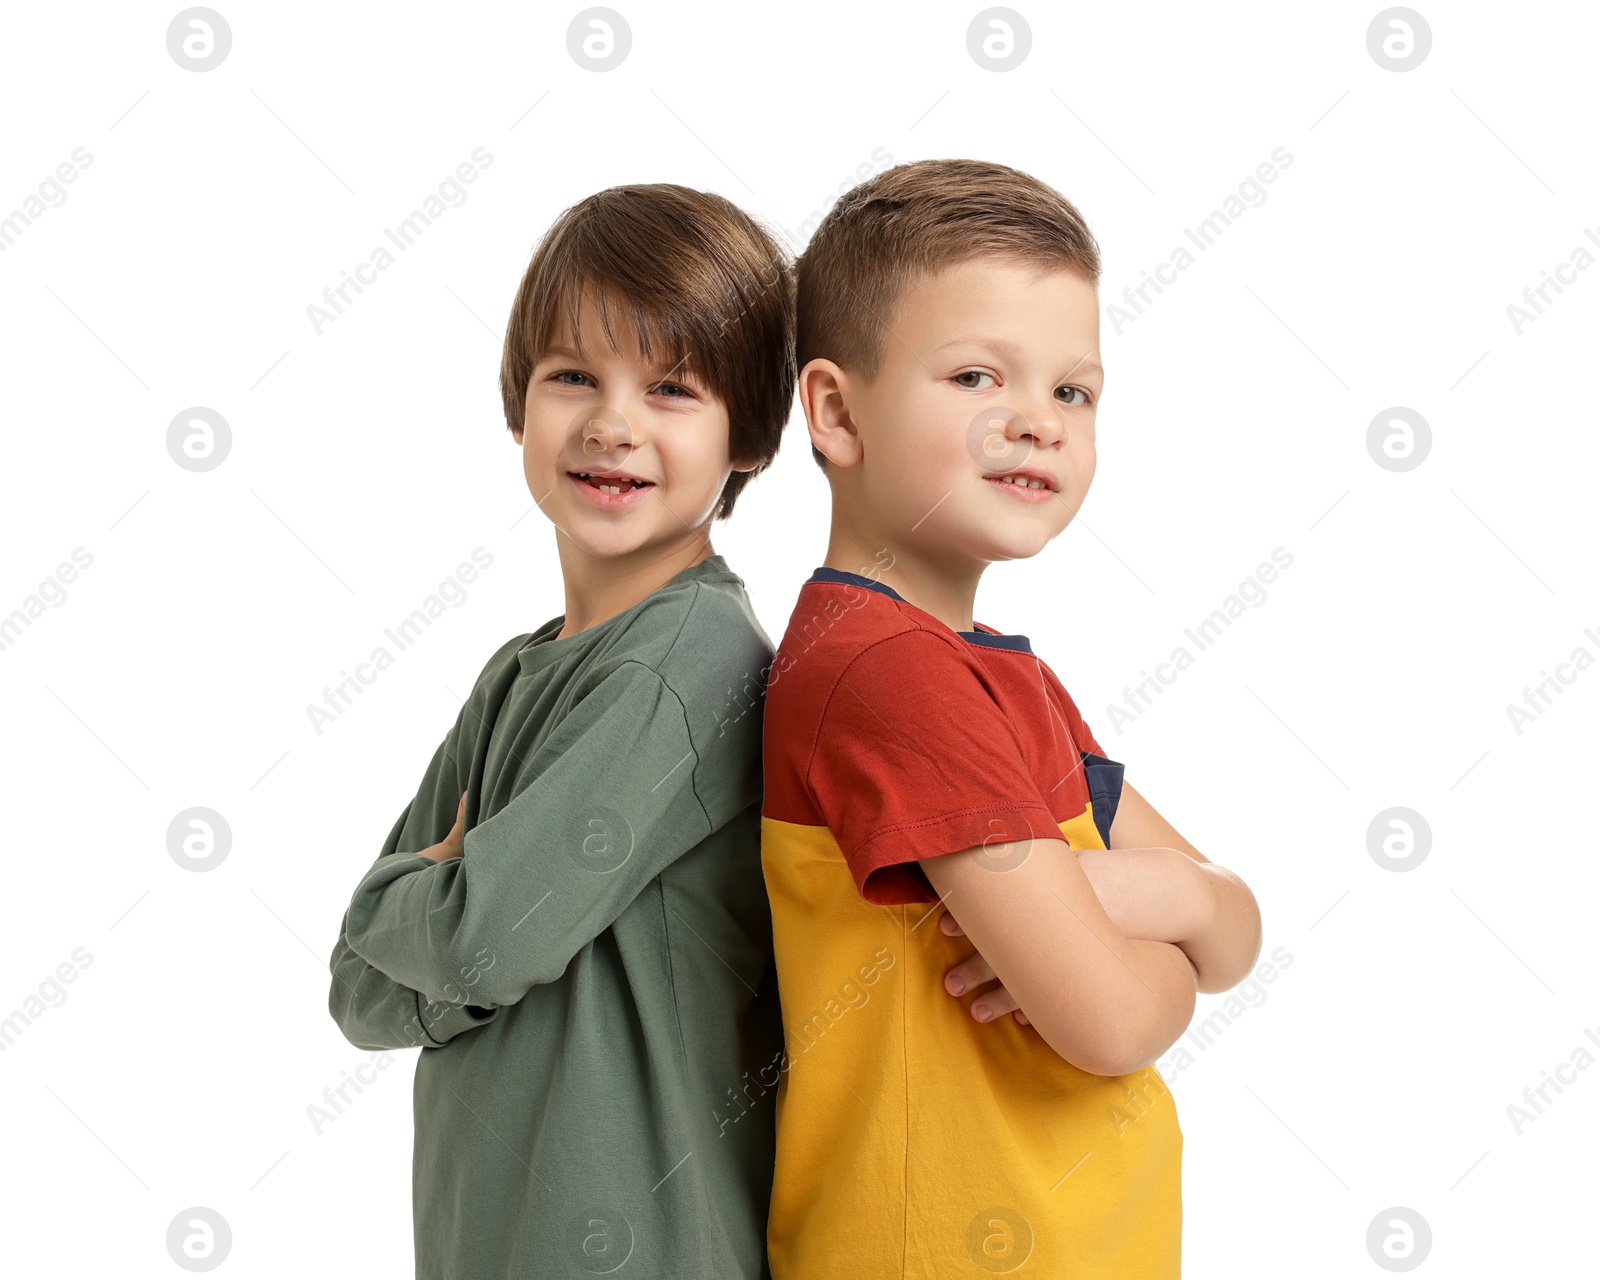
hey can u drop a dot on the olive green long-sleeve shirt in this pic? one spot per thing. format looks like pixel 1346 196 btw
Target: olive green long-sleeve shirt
pixel 590 981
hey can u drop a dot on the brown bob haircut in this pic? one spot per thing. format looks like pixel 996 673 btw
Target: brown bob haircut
pixel 707 289
pixel 911 221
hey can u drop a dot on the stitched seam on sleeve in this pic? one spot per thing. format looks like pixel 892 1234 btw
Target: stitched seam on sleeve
pixel 688 736
pixel 1022 806
pixel 672 977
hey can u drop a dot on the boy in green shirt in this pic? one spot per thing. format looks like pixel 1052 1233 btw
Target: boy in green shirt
pixel 569 917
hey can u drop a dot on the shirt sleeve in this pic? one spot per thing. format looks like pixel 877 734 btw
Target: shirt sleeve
pixel 376 1012
pixel 372 1010
pixel 606 803
pixel 1075 721
pixel 1102 775
pixel 915 759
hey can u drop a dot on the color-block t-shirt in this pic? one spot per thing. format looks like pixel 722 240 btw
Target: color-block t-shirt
pixel 913 1141
pixel 590 982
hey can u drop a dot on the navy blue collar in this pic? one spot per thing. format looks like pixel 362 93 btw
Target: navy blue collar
pixel 993 639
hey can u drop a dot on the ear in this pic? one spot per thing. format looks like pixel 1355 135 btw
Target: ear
pixel 516 434
pixel 825 391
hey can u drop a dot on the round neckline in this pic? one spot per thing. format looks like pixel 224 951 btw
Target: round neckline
pixel 545 640
pixel 987 637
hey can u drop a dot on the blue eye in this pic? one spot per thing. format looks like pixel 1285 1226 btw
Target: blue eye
pixel 564 374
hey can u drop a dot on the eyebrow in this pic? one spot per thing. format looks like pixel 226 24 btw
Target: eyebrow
pixel 674 367
pixel 1011 349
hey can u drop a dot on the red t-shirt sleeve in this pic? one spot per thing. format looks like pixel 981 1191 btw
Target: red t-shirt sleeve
pixel 914 759
pixel 1075 722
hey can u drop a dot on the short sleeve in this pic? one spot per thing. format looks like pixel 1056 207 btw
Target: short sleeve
pixel 1102 775
pixel 1076 725
pixel 915 759
pixel 1080 730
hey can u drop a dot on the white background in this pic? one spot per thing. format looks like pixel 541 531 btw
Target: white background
pixel 368 461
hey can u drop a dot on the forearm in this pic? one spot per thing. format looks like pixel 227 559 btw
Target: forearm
pixel 1104 1003
pixel 373 1011
pixel 1163 895
pixel 1158 895
pixel 1226 947
pixel 416 922
pixel 1134 1005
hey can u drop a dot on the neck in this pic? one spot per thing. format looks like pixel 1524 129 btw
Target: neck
pixel 598 587
pixel 937 587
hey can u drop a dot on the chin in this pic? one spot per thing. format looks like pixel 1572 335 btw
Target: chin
pixel 611 548
pixel 1019 545
pixel 598 537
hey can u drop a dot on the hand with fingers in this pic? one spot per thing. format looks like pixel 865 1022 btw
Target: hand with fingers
pixel 973 973
pixel 450 846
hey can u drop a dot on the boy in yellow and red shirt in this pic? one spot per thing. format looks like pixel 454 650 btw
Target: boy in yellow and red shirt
pixel 949 338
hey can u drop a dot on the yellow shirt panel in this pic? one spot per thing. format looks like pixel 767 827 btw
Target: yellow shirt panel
pixel 914 1142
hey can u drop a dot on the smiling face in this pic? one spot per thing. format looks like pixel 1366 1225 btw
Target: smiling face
pixel 626 456
pixel 989 368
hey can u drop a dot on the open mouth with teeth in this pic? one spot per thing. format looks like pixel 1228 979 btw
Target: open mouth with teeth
pixel 609 484
pixel 1026 482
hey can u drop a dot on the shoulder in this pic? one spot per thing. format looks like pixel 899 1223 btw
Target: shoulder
pixel 497 668
pixel 499 664
pixel 502 657
pixel 840 633
pixel 1077 726
pixel 699 636
pixel 475 707
pixel 703 642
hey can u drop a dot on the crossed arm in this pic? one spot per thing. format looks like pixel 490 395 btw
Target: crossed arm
pixel 372 1009
pixel 1205 909
pixel 1102 952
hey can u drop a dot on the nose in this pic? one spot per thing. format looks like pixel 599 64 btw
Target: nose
pixel 1029 419
pixel 604 434
pixel 600 438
